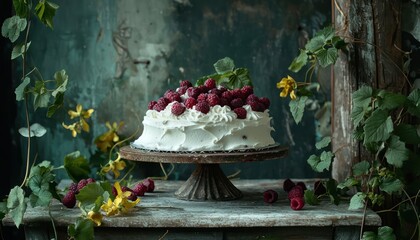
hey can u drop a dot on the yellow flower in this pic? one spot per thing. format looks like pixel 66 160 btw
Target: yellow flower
pixel 74 128
pixel 115 166
pixel 95 217
pixel 121 204
pixel 80 112
pixel 289 85
pixel 108 139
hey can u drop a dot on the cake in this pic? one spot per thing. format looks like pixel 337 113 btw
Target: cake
pixel 208 117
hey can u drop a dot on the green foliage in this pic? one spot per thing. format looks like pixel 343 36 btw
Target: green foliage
pixel 83 229
pixel 322 49
pixel 297 107
pixel 311 198
pixel 16 205
pixel 323 143
pixel 45 11
pixel 19 50
pixel 321 163
pixel 77 166
pixel 39 181
pixel 384 233
pixel 357 201
pixel 361 168
pixel 227 75
pixel 12 27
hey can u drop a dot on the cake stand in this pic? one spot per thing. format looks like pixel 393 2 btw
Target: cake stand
pixel 207 182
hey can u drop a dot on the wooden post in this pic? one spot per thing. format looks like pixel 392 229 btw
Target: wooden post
pixel 373 29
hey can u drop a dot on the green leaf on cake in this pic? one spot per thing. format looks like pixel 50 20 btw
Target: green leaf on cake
pixel 224 65
pixel 297 108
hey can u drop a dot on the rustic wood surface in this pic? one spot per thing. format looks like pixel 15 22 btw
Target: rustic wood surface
pixel 161 209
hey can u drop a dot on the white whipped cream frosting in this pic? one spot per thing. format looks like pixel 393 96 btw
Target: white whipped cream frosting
pixel 218 130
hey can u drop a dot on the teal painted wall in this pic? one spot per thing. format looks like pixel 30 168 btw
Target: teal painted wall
pixel 103 44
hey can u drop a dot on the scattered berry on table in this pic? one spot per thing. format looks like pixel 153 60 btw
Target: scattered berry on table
pixel 288 184
pixel 270 196
pixel 297 203
pixel 69 200
pixel 73 187
pixel 150 184
pixel 296 191
pixel 81 184
pixel 140 189
pixel 132 196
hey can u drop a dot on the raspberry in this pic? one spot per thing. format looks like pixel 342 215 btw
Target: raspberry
pixel 237 93
pixel 190 102
pixel 181 90
pixel 222 89
pixel 319 188
pixel 302 185
pixel 270 196
pixel 159 107
pixel 202 107
pixel 256 106
pixel 203 89
pixel 177 109
pixel 185 83
pixel 227 95
pixel 265 101
pixel 163 101
pixel 151 104
pixel 132 196
pixel 223 101
pixel 213 99
pixel 252 97
pixel 167 93
pixel 288 185
pixel 240 112
pixel 140 189
pixel 69 200
pixel 297 203
pixel 90 180
pixel 150 184
pixel 81 184
pixel 215 91
pixel 73 187
pixel 296 191
pixel 174 97
pixel 114 191
pixel 202 97
pixel 210 83
pixel 193 92
pixel 236 103
pixel 247 90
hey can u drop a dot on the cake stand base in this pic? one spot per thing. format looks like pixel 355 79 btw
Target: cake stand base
pixel 208 183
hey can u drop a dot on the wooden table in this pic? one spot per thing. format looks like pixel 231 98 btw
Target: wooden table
pixel 160 215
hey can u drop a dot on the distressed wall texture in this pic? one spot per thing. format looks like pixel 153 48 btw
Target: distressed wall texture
pixel 119 55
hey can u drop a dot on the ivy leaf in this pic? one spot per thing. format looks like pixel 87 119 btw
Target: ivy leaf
pixel 41 95
pixel 315 43
pixel 321 163
pixel 414 102
pixel 45 11
pixel 407 133
pixel 384 233
pixel 357 201
pixel 39 182
pixel 378 127
pixel 3 209
pixel 20 90
pixel 58 103
pixel 16 204
pixel 77 166
pixel 19 50
pixel 21 7
pixel 297 108
pixel 61 79
pixel 243 77
pixel 91 196
pixel 362 97
pixel 37 130
pixel 299 61
pixel 82 229
pixel 327 57
pixel 361 168
pixel 389 100
pixel 42 198
pixel 391 185
pixel 358 114
pixel 348 183
pixel 12 27
pixel 324 142
pixel 396 153
pixel 224 65
pixel 310 198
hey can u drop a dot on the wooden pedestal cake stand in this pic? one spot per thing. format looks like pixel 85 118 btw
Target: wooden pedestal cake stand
pixel 207 182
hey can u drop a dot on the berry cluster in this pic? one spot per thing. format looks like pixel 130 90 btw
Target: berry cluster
pixel 203 97
pixel 69 200
pixel 147 185
pixel 295 192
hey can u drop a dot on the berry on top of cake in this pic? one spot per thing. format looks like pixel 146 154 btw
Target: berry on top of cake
pixel 201 98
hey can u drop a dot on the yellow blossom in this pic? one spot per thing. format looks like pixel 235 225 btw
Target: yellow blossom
pixel 289 86
pixel 80 112
pixel 77 127
pixel 74 128
pixel 121 203
pixel 115 166
pixel 95 217
pixel 108 139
